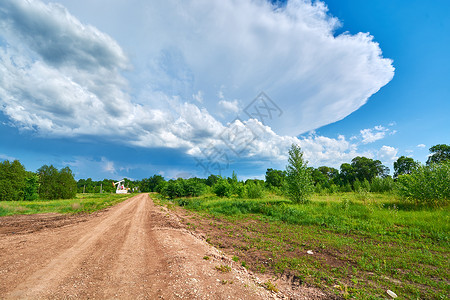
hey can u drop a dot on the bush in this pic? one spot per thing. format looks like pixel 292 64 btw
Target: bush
pixel 254 190
pixel 427 185
pixel 382 185
pixel 347 188
pixel 222 188
pixel 174 189
pixel 161 188
pixel 333 189
pixel 193 187
pixel 239 190
pixel 361 186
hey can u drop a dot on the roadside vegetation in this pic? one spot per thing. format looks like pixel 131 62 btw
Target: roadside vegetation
pixel 361 246
pixel 360 234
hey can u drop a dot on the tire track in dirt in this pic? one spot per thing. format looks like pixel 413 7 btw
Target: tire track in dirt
pixel 134 250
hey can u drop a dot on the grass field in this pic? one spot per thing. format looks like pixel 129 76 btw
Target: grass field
pixel 83 203
pixel 362 244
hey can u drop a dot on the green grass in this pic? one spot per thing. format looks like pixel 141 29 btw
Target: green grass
pixel 83 203
pixel 364 244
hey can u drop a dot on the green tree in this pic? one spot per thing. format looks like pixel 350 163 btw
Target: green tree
pixel 331 173
pixel 211 180
pixel 299 185
pixel 222 188
pixel 54 184
pixel 347 174
pixel 367 168
pixel 439 153
pixel 161 187
pixel 193 187
pixel 404 165
pixel 174 189
pixel 12 180
pixel 107 186
pixel 275 178
pixel 48 178
pixel 319 179
pixel 149 184
pixel 31 187
pixel 66 184
pixel 234 183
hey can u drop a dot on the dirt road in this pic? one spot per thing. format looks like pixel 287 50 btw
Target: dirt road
pixel 134 250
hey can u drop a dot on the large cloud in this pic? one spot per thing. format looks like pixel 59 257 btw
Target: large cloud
pixel 243 47
pixel 173 67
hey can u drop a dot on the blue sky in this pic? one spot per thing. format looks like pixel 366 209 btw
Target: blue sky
pixel 132 89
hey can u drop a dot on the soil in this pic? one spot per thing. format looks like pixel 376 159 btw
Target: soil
pixel 134 250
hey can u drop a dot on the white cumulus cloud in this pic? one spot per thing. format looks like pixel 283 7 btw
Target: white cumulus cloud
pixel 371 135
pixel 387 154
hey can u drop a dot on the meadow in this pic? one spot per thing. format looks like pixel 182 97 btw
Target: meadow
pixel 82 203
pixel 362 244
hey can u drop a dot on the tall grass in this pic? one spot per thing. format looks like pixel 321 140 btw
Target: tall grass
pixel 381 215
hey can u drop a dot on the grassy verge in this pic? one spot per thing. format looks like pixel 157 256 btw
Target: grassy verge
pixel 362 244
pixel 83 203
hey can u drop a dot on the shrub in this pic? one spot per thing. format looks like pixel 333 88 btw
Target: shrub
pixel 239 190
pixel 361 186
pixel 347 188
pixel 254 190
pixel 365 185
pixel 333 189
pixel 193 187
pixel 427 185
pixel 382 185
pixel 161 188
pixel 222 188
pixel 174 189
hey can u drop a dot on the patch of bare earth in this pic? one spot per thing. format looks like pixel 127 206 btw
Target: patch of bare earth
pixel 134 250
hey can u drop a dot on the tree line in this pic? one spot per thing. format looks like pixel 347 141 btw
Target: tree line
pixel 297 181
pixel 423 184
pixel 47 182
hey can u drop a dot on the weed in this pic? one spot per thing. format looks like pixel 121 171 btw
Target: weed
pixel 223 268
pixel 206 257
pixel 76 206
pixel 271 286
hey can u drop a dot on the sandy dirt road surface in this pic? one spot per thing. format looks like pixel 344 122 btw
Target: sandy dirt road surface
pixel 134 250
